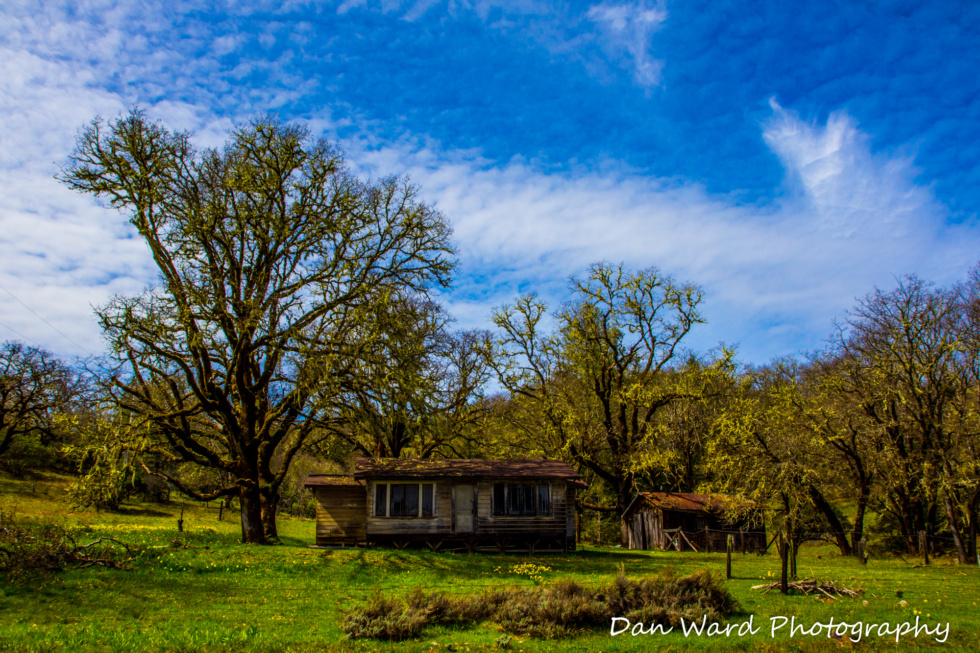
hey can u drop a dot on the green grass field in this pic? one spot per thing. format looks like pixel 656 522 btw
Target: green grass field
pixel 218 595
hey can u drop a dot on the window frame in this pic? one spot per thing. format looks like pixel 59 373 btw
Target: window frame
pixel 503 511
pixel 388 499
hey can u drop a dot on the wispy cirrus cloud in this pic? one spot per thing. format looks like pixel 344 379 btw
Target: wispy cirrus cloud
pixel 775 275
pixel 598 35
pixel 627 31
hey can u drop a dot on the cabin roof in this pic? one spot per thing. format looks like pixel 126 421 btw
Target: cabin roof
pixel 680 502
pixel 366 468
pixel 341 480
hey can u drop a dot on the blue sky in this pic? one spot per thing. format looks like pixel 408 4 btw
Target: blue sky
pixel 788 157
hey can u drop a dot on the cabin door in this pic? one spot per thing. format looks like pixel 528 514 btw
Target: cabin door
pixel 463 496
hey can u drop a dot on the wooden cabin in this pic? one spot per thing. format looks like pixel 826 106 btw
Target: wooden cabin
pixel 458 503
pixel 689 522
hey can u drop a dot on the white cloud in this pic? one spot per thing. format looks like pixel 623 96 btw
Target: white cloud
pixel 347 5
pixel 627 29
pixel 851 190
pixel 60 253
pixel 775 276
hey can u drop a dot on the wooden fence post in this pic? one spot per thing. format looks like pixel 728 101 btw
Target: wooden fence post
pixel 707 539
pixel 862 551
pixel 730 542
pixel 783 564
pixel 924 546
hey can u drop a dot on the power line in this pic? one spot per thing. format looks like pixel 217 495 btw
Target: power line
pixel 38 316
pixel 20 334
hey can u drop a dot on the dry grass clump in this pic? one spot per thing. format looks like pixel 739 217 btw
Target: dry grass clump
pixel 665 599
pixel 384 618
pixel 563 609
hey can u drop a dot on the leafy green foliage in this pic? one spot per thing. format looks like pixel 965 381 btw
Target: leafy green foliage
pixel 417 391
pixel 106 452
pixel 595 389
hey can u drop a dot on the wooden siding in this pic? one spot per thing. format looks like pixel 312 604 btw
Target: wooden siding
pixel 652 528
pixel 340 515
pixel 644 530
pixel 556 529
pixel 570 525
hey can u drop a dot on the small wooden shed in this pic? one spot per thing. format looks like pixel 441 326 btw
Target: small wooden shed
pixel 686 521
pixel 340 505
pixel 460 503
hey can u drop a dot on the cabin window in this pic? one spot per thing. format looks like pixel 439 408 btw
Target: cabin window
pixel 544 499
pixel 427 503
pixel 380 500
pixel 404 500
pixel 521 499
pixel 499 498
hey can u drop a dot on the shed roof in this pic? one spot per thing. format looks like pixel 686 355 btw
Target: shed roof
pixel 335 480
pixel 680 501
pixel 465 468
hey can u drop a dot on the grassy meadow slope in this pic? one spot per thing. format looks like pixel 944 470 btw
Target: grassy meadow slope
pixel 202 591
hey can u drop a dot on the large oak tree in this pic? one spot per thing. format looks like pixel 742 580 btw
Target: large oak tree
pixel 270 254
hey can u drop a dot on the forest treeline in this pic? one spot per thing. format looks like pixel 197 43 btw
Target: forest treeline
pixel 295 326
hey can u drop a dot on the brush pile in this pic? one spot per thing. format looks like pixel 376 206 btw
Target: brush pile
pixel 45 549
pixel 810 586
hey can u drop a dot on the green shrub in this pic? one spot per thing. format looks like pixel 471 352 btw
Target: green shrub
pixel 28 454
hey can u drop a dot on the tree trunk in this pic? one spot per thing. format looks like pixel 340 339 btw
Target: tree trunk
pixel 971 545
pixel 252 528
pixel 910 517
pixel 954 528
pixel 857 534
pixel 270 506
pixel 783 564
pixel 622 503
pixel 821 504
